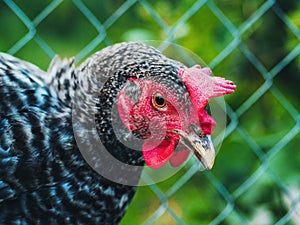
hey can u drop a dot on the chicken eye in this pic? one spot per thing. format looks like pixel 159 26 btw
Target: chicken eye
pixel 159 101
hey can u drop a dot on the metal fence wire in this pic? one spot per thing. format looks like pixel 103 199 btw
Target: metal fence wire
pixel 257 43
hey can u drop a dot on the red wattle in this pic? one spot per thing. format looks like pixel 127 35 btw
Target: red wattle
pixel 157 156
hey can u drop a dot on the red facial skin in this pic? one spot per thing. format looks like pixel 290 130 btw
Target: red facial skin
pixel 161 145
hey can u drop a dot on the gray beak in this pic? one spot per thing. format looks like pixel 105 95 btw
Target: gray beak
pixel 201 145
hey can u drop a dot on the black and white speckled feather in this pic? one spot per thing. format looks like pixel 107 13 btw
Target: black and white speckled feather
pixel 43 176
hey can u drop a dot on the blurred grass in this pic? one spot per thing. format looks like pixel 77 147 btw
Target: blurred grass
pixel 66 31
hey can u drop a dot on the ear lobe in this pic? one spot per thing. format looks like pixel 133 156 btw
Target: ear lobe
pixel 127 97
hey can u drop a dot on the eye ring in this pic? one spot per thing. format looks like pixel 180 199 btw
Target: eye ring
pixel 159 101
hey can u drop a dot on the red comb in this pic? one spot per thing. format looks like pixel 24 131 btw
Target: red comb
pixel 202 87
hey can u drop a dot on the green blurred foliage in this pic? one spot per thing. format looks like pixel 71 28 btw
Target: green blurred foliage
pixel 66 31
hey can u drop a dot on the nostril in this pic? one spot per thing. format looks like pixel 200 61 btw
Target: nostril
pixel 196 129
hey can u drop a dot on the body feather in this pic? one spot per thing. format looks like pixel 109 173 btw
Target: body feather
pixel 43 177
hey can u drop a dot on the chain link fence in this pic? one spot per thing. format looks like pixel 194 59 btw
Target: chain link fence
pixel 257 44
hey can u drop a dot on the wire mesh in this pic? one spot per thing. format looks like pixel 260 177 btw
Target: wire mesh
pixel 228 201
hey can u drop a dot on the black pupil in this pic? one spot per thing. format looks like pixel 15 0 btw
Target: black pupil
pixel 159 100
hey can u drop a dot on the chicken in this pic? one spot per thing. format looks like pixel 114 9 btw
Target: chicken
pixel 73 141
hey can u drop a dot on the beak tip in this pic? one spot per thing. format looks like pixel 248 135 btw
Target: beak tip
pixel 210 166
pixel 201 146
pixel 208 163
